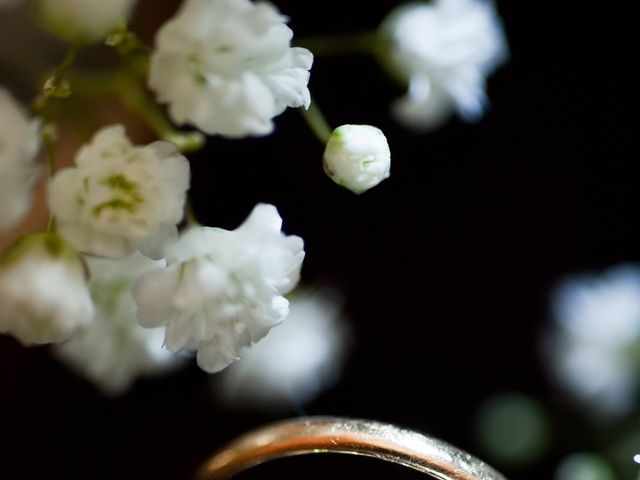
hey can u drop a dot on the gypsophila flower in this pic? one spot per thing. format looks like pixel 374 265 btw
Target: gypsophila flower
pixel 592 349
pixel 114 350
pixel 84 21
pixel 44 296
pixel 297 359
pixel 119 197
pixel 222 289
pixel 227 67
pixel 444 50
pixel 19 144
pixel 357 157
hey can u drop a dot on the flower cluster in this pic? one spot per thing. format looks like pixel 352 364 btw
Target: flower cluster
pixel 592 349
pixel 113 260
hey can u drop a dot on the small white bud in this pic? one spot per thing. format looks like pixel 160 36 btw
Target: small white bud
pixel 357 157
pixel 84 21
pixel 44 295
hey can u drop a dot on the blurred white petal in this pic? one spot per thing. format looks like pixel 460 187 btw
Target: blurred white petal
pixel 297 360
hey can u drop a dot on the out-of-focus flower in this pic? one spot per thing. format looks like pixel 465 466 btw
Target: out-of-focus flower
pixel 444 50
pixel 114 350
pixel 119 197
pixel 294 362
pixel 357 157
pixel 584 466
pixel 84 21
pixel 227 67
pixel 592 349
pixel 513 429
pixel 19 144
pixel 222 289
pixel 44 296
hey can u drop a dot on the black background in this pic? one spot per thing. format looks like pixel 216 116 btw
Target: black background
pixel 447 266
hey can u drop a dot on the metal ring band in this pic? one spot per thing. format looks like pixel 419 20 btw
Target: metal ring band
pixel 355 437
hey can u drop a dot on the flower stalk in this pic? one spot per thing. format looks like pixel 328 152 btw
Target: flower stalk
pixel 56 86
pixel 317 122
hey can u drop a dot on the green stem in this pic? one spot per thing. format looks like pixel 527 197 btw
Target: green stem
pixel 125 85
pixel 126 42
pixel 135 97
pixel 56 85
pixel 63 68
pixel 343 44
pixel 48 138
pixel 317 122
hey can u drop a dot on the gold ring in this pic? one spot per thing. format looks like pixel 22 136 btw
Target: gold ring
pixel 355 437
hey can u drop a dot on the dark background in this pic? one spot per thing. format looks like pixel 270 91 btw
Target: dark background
pixel 447 266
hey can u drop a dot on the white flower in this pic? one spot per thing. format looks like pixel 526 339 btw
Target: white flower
pixel 444 50
pixel 19 144
pixel 295 361
pixel 43 290
pixel 597 329
pixel 222 289
pixel 119 197
pixel 114 350
pixel 83 20
pixel 357 157
pixel 227 67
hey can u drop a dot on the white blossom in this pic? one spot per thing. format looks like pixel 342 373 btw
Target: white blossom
pixel 83 20
pixel 19 144
pixel 597 329
pixel 114 350
pixel 296 361
pixel 444 50
pixel 119 197
pixel 222 290
pixel 44 296
pixel 357 157
pixel 227 67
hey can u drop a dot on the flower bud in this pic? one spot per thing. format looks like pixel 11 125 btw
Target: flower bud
pixel 84 21
pixel 357 157
pixel 44 296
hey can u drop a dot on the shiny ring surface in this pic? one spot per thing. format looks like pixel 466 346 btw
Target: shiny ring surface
pixel 339 435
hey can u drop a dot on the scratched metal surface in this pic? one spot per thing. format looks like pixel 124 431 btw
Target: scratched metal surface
pixel 349 436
